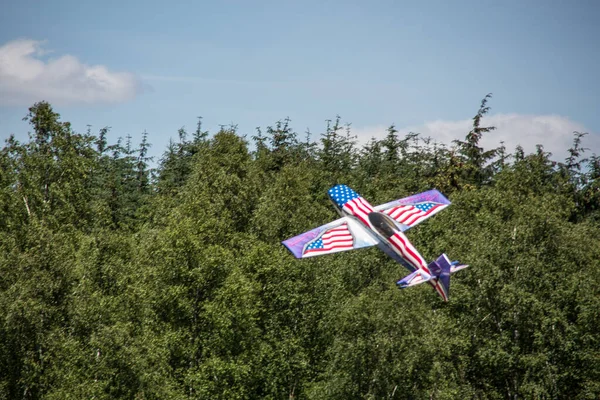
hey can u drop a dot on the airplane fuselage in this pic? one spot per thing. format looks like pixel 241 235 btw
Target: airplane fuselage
pixel 362 226
pixel 391 239
pixel 384 228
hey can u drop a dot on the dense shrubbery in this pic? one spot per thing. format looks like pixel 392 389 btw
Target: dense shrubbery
pixel 118 281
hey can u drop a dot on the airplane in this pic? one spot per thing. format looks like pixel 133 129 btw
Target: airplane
pixel 362 225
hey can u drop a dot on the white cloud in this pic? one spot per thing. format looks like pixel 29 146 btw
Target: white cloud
pixel 554 132
pixel 25 78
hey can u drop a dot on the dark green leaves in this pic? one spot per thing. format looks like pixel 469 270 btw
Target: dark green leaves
pixel 117 281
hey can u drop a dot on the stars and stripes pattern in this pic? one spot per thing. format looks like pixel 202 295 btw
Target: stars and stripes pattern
pixel 351 202
pixel 407 251
pixel 412 214
pixel 335 239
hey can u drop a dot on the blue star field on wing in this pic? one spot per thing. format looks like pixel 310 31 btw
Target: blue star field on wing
pixel 342 194
pixel 424 206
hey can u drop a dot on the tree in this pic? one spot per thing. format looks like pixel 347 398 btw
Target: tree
pixel 117 285
pixel 476 170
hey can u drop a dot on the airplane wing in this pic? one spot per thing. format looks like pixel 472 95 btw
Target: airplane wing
pixel 413 210
pixel 340 235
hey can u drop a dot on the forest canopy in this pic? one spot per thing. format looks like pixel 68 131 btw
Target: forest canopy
pixel 124 279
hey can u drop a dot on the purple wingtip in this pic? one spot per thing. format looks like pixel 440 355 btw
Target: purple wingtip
pixel 430 195
pixel 296 250
pixel 296 244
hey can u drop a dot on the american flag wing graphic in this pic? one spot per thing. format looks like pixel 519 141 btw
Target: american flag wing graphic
pixel 331 241
pixel 351 202
pixel 340 235
pixel 413 210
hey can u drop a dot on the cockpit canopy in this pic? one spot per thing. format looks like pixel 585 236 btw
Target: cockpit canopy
pixel 383 223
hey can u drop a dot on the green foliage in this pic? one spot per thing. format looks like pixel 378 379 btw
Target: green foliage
pixel 476 170
pixel 119 281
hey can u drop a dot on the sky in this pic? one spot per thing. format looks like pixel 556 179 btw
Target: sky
pixel 422 66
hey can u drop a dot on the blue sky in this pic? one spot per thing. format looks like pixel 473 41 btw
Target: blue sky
pixel 423 66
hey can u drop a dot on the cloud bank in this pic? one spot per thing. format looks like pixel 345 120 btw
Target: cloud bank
pixel 25 78
pixel 554 132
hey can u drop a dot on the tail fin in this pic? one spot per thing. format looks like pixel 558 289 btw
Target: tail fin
pixel 440 276
pixel 443 265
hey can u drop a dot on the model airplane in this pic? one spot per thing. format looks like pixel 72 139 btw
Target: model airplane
pixel 362 225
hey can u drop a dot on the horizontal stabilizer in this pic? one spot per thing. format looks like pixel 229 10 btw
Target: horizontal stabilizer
pixel 440 276
pixel 455 267
pixel 414 278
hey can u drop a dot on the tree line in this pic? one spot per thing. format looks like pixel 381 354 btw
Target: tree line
pixel 123 281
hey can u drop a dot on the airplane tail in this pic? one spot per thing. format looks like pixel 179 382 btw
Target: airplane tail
pixel 439 277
